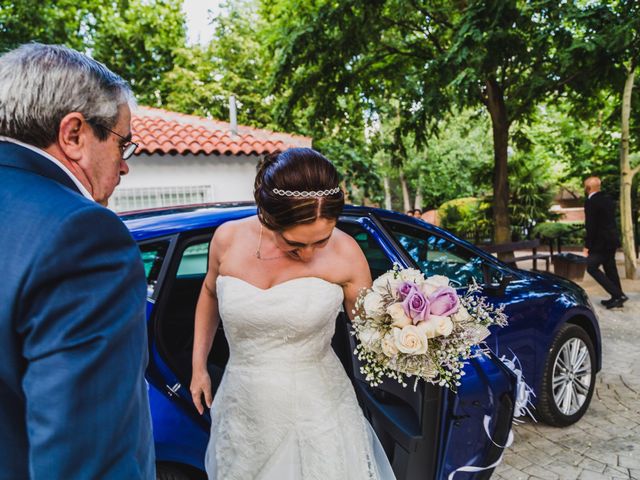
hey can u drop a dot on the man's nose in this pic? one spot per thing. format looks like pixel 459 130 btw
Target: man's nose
pixel 124 167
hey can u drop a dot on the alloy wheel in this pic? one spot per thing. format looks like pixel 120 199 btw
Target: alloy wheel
pixel 571 376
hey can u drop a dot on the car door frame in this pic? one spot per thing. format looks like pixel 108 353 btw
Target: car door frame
pixel 427 460
pixel 158 372
pixel 440 400
pixel 173 386
pixel 433 409
pixel 519 280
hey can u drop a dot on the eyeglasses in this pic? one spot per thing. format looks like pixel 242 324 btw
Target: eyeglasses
pixel 126 149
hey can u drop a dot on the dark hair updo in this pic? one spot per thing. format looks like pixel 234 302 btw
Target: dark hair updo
pixel 301 170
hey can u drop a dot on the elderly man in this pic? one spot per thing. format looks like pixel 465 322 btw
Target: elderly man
pixel 73 401
pixel 602 241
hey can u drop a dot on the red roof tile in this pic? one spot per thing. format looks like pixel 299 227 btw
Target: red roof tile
pixel 161 131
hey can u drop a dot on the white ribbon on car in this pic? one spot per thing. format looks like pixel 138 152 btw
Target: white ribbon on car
pixel 472 469
pixel 522 407
pixel 523 391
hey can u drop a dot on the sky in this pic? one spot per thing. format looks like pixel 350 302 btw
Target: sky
pixel 198 18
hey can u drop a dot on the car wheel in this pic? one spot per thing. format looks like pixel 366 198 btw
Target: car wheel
pixel 166 471
pixel 569 377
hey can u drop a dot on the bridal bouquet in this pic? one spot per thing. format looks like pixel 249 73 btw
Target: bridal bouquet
pixel 409 325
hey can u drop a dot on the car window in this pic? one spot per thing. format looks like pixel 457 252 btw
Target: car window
pixel 378 261
pixel 436 255
pixel 152 257
pixel 194 260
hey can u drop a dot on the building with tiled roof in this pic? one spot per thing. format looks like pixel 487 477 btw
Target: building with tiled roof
pixel 184 159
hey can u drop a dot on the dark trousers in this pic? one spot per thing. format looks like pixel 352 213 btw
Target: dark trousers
pixel 609 280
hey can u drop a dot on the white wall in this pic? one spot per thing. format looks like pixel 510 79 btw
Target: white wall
pixel 230 177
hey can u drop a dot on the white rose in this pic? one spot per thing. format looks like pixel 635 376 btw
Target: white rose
pixel 400 319
pixel 386 284
pixel 369 337
pixel 410 340
pixel 373 304
pixel 433 283
pixel 411 275
pixel 436 326
pixel 444 326
pixel 388 346
pixel 428 327
pixel 462 315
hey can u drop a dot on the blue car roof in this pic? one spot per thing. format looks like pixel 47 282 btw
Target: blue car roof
pixel 152 223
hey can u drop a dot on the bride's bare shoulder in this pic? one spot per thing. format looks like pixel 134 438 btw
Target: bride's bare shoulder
pixel 231 231
pixel 344 240
pixel 347 247
pixel 349 263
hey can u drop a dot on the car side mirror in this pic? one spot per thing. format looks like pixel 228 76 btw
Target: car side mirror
pixel 500 288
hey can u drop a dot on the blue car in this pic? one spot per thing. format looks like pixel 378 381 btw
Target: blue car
pixel 427 432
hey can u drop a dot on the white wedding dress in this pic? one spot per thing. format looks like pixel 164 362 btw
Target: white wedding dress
pixel 285 409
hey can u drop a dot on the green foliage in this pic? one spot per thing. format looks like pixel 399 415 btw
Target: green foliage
pixel 468 218
pixel 454 163
pixel 384 86
pixel 355 163
pixel 135 38
pixel 532 192
pixel 64 22
pixel 139 42
pixel 570 233
pixel 422 58
pixel 576 148
pixel 233 63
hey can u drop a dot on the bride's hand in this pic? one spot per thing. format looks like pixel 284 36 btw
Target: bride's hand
pixel 201 386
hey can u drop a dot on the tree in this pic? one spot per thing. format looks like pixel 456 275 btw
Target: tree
pixel 614 28
pixel 453 163
pixel 627 16
pixel 47 21
pixel 431 54
pixel 138 39
pixel 626 177
pixel 233 63
pixel 391 147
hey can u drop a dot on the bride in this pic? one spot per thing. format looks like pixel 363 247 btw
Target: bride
pixel 285 408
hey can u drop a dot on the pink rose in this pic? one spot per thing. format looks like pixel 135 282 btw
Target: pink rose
pixel 416 306
pixel 444 301
pixel 405 288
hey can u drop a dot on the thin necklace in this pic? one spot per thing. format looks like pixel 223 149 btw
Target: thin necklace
pixel 258 254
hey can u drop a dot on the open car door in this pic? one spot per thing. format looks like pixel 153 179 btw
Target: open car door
pixel 429 432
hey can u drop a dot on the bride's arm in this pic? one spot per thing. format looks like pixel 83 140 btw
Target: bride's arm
pixel 206 323
pixel 358 274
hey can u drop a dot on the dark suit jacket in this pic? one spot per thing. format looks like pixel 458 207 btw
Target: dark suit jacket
pixel 73 342
pixel 600 222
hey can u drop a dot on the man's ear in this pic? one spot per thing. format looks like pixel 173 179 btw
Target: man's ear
pixel 72 135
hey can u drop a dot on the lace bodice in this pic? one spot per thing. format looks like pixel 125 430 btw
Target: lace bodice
pixel 289 323
pixel 286 409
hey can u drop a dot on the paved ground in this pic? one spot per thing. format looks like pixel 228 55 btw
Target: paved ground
pixel 605 443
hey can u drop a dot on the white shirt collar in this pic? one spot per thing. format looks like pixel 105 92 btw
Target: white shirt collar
pixel 50 157
pixel 592 194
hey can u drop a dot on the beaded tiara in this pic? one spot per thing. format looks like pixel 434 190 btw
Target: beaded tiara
pixel 296 193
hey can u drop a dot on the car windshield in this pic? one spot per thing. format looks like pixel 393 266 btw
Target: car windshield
pixel 436 255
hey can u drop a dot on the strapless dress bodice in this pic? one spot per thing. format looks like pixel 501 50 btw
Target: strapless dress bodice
pixel 288 324
pixel 286 409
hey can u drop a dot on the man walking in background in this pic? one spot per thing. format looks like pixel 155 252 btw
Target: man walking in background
pixel 602 241
pixel 73 343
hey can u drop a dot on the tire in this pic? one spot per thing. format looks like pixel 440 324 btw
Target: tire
pixel 569 377
pixel 167 471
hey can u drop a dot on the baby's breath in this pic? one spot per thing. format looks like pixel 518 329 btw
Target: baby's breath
pixel 443 363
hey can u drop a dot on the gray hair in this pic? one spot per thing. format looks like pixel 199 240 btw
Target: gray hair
pixel 40 84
